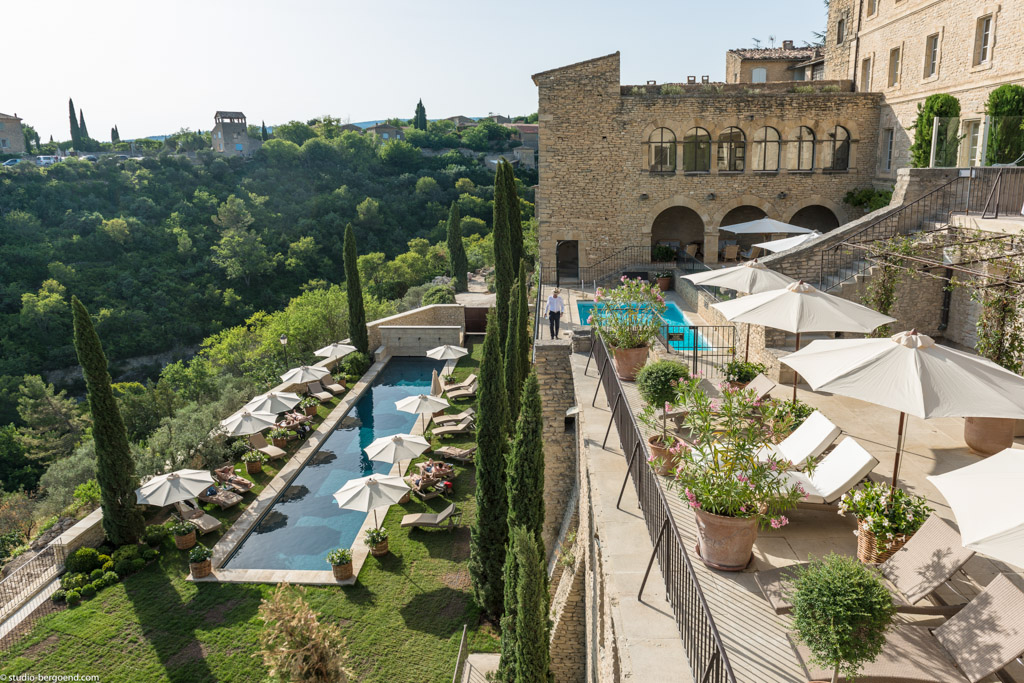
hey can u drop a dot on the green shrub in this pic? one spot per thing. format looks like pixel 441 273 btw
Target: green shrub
pixel 103 559
pixel 108 566
pixel 83 560
pixel 943 106
pixel 73 580
pixel 742 371
pixel 59 595
pixel 656 381
pixel 672 89
pixel 137 564
pixel 249 456
pixel 95 574
pixel 88 591
pixel 199 553
pixel 86 496
pixel 831 87
pixel 868 198
pixel 123 568
pixel 126 552
pixel 439 294
pixel 803 89
pixel 663 253
pixel 355 363
pixel 375 536
pixel 149 554
pixel 154 534
pixel 110 578
pixel 1005 139
pixel 339 556
pixel 47 525
pixel 73 597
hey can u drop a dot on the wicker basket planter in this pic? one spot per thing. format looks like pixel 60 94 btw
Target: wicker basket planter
pixel 280 442
pixel 869 551
pixel 379 549
pixel 254 467
pixel 201 569
pixel 342 571
pixel 310 410
pixel 185 542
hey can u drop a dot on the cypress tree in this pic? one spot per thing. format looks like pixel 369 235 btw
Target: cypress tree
pixel 503 267
pixel 524 479
pixel 263 131
pixel 114 137
pixel 507 669
pixel 458 264
pixel 419 121
pixel 83 131
pixel 515 218
pixel 115 468
pixel 513 373
pixel 489 533
pixel 532 641
pixel 524 322
pixel 357 332
pixel 75 134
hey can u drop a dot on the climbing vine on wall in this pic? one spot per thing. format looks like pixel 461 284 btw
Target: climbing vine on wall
pixel 880 293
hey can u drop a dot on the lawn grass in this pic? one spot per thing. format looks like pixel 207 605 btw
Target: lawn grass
pixel 401 621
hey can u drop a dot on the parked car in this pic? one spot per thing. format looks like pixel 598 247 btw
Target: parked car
pixel 89 157
pixel 46 160
pixel 12 162
pixel 121 157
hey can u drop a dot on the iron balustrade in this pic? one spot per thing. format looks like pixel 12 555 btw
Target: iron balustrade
pixel 24 583
pixel 538 310
pixel 628 259
pixel 460 658
pixel 707 348
pixel 1006 194
pixel 709 662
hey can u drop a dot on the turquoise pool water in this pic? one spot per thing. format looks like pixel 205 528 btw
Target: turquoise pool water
pixel 305 522
pixel 678 329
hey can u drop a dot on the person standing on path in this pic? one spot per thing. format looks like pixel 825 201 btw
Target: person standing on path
pixel 553 309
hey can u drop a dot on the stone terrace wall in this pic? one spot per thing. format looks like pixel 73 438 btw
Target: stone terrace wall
pixel 554 374
pixel 433 315
pixel 416 340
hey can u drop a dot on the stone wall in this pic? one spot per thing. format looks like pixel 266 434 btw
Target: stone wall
pixel 554 375
pixel 568 614
pixel 413 340
pixel 444 315
pixel 739 70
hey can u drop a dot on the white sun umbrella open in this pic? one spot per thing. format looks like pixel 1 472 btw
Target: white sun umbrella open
pixel 447 352
pixel 766 226
pixel 247 422
pixel 985 498
pixel 799 308
pixel 397 447
pixel 273 402
pixel 304 374
pixel 335 350
pixel 910 373
pixel 369 493
pixel 435 384
pixel 422 404
pixel 788 242
pixel 173 487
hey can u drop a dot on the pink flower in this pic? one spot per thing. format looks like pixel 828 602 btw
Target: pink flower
pixel 779 522
pixel 742 478
pixel 743 508
pixel 668 406
pixel 623 278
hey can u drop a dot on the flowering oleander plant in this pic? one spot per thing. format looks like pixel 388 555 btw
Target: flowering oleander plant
pixel 730 468
pixel 629 316
pixel 890 513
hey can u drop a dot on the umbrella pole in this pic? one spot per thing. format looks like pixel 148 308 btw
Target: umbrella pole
pixel 795 375
pixel 375 525
pixel 746 353
pixel 899 448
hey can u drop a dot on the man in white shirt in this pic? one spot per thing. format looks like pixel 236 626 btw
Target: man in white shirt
pixel 553 310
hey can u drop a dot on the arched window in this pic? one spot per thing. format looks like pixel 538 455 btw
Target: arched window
pixel 731 150
pixel 804 159
pixel 839 145
pixel 662 156
pixel 759 75
pixel 766 149
pixel 697 151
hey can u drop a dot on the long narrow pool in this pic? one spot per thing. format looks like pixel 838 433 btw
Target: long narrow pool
pixel 304 523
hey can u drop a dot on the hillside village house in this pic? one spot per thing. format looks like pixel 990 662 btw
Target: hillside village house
pixel 230 135
pixel 12 140
pixel 350 126
pixel 461 122
pixel 385 131
pixel 762 65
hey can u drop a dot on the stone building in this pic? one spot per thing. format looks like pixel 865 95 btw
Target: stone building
pixel 230 135
pixel 624 166
pixel 762 65
pixel 12 140
pixel 385 131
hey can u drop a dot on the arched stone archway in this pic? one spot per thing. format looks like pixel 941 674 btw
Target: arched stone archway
pixel 739 214
pixel 677 226
pixel 815 217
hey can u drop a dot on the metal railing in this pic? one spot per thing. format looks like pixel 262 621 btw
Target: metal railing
pixel 709 662
pixel 460 658
pixel 1007 193
pixel 537 310
pixel 635 259
pixel 707 348
pixel 26 581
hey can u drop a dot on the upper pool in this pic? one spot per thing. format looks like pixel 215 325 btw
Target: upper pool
pixel 677 329
pixel 305 522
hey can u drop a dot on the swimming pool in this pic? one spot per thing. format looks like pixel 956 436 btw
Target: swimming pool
pixel 305 522
pixel 677 329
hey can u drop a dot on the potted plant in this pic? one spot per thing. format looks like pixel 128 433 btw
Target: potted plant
pixel 739 373
pixel 841 610
pixel 663 253
pixel 782 416
pixel 341 563
pixel 254 461
pixel 377 539
pixel 886 519
pixel 199 561
pixel 658 385
pixel 628 318
pixel 309 405
pixel 279 435
pixel 184 535
pixel 664 279
pixel 732 489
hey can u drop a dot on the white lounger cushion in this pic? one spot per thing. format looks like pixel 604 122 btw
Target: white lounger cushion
pixel 836 474
pixel 807 441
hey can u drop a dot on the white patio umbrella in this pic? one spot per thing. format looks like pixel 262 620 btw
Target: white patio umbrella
pixel 369 493
pixel 799 308
pixel 435 384
pixel 788 243
pixel 397 447
pixel 247 422
pixel 910 373
pixel 335 350
pixel 447 352
pixel 751 277
pixel 766 226
pixel 273 402
pixel 985 498
pixel 174 487
pixel 303 374
pixel 423 404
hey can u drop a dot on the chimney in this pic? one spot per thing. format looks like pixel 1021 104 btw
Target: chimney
pixel 787 45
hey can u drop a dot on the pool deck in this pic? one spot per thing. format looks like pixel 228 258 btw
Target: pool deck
pixel 250 517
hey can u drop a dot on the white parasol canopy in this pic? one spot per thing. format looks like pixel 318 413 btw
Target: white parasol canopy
pixel 273 402
pixel 985 498
pixel 335 350
pixel 435 385
pixel 398 447
pixel 788 243
pixel 247 422
pixel 174 487
pixel 910 373
pixel 303 374
pixel 369 493
pixel 765 226
pixel 423 404
pixel 447 352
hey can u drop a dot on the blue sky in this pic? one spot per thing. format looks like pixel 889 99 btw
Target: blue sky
pixel 152 67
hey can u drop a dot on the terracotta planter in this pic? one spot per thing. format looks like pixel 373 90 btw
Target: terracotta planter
pixel 280 442
pixel 629 361
pixel 869 551
pixel 668 460
pixel 310 410
pixel 379 549
pixel 664 283
pixel 342 571
pixel 725 543
pixel 989 435
pixel 254 467
pixel 736 386
pixel 201 569
pixel 1019 431
pixel 185 542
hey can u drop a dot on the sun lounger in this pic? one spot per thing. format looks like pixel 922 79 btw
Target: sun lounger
pixel 928 560
pixel 467 392
pixel 837 473
pixel 334 387
pixel 194 515
pixel 467 426
pixel 460 385
pixel 449 517
pixel 441 420
pixel 761 385
pixel 806 443
pixel 226 475
pixel 317 391
pixel 463 455
pixel 423 487
pixel 219 496
pixel 981 639
pixel 439 470
pixel 259 443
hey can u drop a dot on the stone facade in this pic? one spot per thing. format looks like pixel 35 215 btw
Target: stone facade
pixel 596 184
pixel 435 315
pixel 12 139
pixel 230 135
pixel 554 375
pixel 416 340
pixel 778 63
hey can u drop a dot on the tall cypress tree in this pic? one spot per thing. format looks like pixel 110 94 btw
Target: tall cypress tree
pixel 532 640
pixel 489 533
pixel 504 272
pixel 114 136
pixel 357 332
pixel 513 373
pixel 75 134
pixel 83 131
pixel 515 218
pixel 263 131
pixel 524 479
pixel 507 669
pixel 524 322
pixel 419 121
pixel 115 468
pixel 458 264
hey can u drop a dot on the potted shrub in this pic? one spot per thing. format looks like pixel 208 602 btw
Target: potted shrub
pixel 663 254
pixel 184 535
pixel 279 435
pixel 199 561
pixel 886 519
pixel 782 416
pixel 732 491
pixel 341 563
pixel 309 406
pixel 841 610
pixel 628 318
pixel 377 539
pixel 658 385
pixel 254 461
pixel 739 373
pixel 664 279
